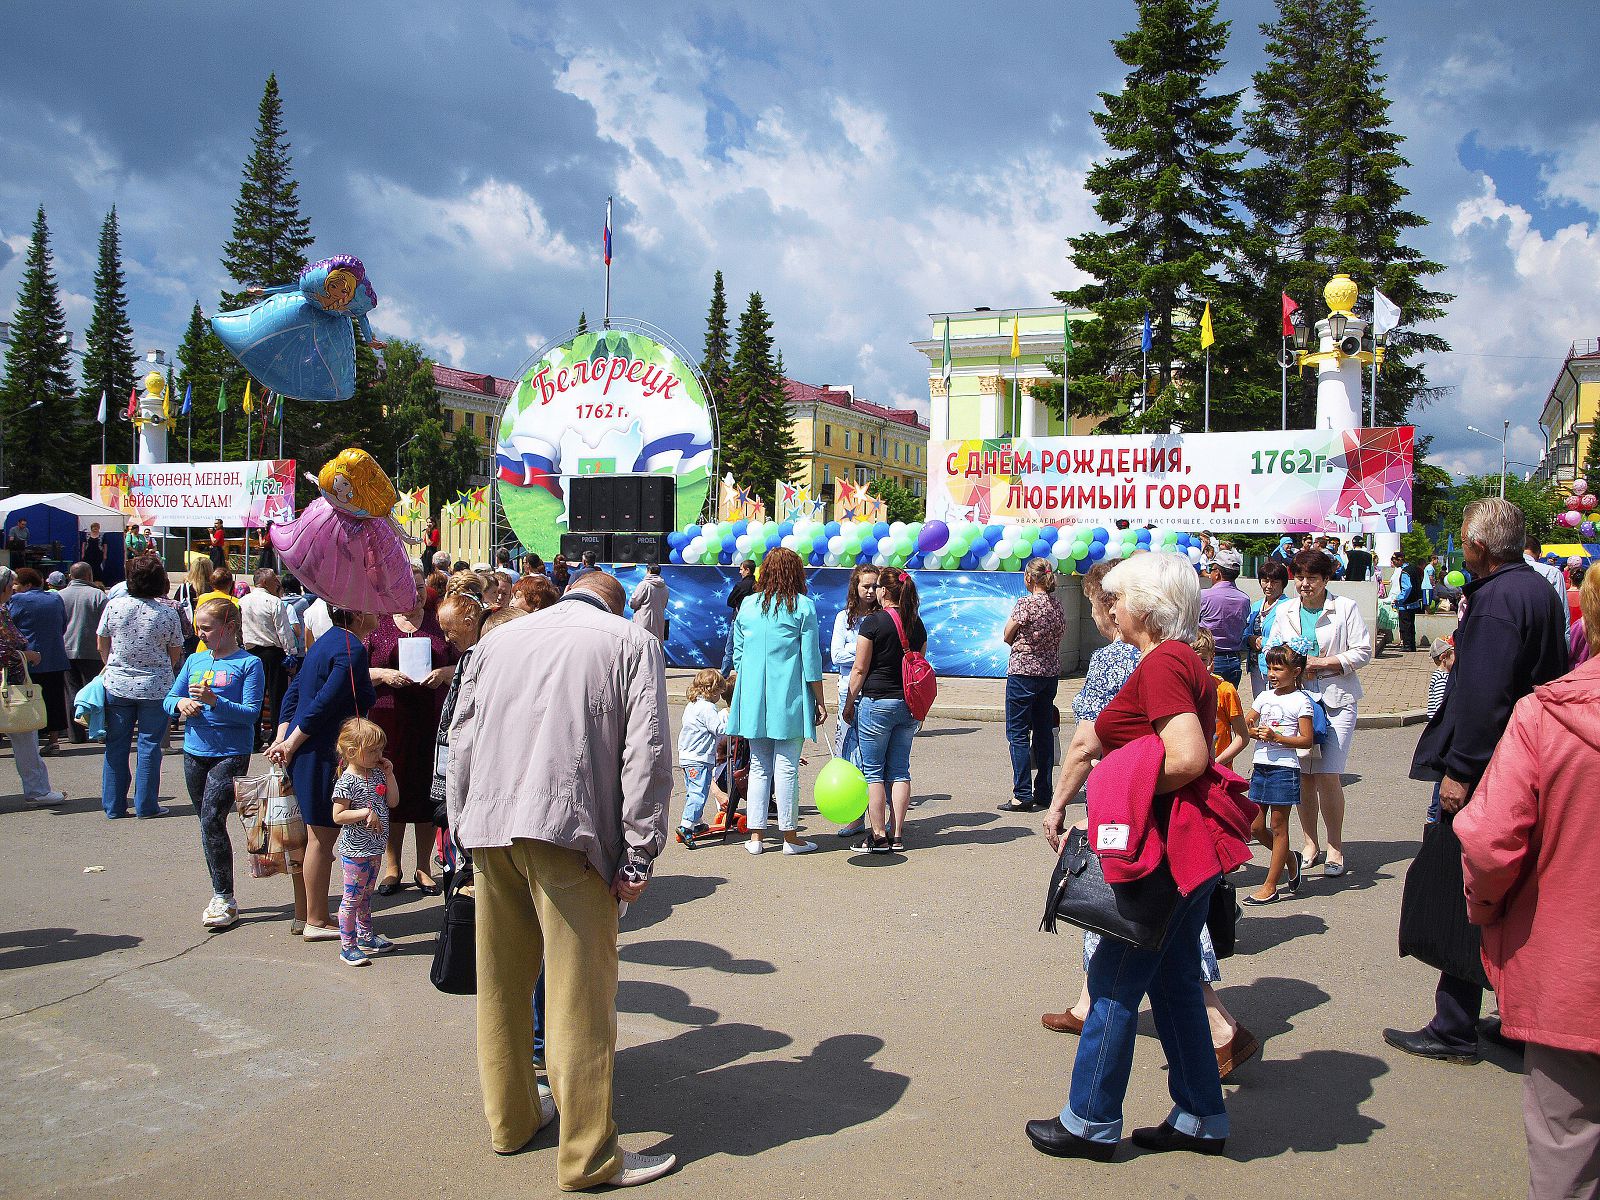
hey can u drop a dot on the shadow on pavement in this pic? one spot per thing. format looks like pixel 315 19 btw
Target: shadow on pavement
pixel 1311 1103
pixel 681 953
pixel 661 1000
pixel 1366 861
pixel 693 1089
pixel 1259 932
pixel 962 829
pixel 666 892
pixel 1268 1007
pixel 37 947
pixel 928 733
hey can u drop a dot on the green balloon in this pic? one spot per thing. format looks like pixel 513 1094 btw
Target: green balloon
pixel 1079 550
pixel 841 791
pixel 1456 579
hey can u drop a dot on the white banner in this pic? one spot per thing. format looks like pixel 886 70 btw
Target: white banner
pixel 245 495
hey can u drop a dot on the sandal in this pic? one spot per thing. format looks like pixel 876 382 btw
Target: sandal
pixel 427 889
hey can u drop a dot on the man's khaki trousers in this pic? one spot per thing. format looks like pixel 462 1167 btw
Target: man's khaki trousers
pixel 537 903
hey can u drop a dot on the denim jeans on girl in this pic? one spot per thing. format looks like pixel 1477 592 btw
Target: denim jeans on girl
pixel 886 728
pixel 115 777
pixel 774 772
pixel 697 786
pixel 1120 975
pixel 210 783
pixel 849 741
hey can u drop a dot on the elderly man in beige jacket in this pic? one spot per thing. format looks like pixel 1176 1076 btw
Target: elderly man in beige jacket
pixel 559 778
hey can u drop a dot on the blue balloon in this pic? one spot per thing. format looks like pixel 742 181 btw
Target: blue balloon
pixel 785 530
pixel 969 561
pixel 832 529
pixel 881 529
pixel 992 532
pixel 1101 536
pixel 298 340
pixel 676 539
pixel 1144 537
pixel 1049 534
pixel 774 539
pixel 675 556
pixel 726 558
pixel 741 526
pixel 1097 551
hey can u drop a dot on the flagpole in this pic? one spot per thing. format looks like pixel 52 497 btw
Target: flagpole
pixel 1208 390
pixel 607 318
pixel 1283 364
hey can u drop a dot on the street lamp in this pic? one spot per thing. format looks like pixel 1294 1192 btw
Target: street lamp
pixel 1505 432
pixel 29 408
pixel 397 451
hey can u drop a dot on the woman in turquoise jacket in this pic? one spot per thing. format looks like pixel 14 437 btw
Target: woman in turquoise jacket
pixel 777 698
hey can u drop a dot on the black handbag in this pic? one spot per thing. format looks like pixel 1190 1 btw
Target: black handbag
pixel 1139 913
pixel 1433 909
pixel 1222 921
pixel 455 950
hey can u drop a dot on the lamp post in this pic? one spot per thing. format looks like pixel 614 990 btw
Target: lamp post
pixel 4 479
pixel 1505 432
pixel 397 451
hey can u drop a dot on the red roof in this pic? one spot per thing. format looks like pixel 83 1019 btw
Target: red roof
pixel 808 393
pixel 472 381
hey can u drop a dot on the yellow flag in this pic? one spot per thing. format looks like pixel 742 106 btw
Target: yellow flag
pixel 1016 343
pixel 1207 337
pixel 249 404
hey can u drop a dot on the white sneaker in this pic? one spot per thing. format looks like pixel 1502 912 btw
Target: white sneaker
pixel 642 1168
pixel 799 847
pixel 754 847
pixel 50 797
pixel 220 913
pixel 547 1105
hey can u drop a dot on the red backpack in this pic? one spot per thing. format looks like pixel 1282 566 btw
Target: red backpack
pixel 916 674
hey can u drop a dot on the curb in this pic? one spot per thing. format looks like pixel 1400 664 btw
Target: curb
pixel 1398 720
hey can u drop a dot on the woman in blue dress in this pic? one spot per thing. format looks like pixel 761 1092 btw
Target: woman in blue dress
pixel 332 685
pixel 777 697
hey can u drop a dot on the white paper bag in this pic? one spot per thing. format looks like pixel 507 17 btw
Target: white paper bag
pixel 416 657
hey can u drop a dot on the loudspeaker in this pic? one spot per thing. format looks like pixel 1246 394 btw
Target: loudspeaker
pixel 585 506
pixel 624 509
pixel 574 545
pixel 638 548
pixel 658 503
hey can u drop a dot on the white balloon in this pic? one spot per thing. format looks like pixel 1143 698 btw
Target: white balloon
pixel 1113 550
pixel 932 563
pixel 879 560
pixel 789 541
pixel 836 544
pixel 1194 553
pixel 896 528
pixel 709 530
pixel 886 544
pixel 741 543
pixel 830 559
pixel 990 562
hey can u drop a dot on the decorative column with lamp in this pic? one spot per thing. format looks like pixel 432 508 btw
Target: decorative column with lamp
pixel 1505 432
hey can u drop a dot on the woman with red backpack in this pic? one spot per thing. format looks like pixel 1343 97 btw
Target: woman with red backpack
pixel 886 716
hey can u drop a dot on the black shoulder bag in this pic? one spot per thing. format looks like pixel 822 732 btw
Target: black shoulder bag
pixel 1139 913
pixel 455 950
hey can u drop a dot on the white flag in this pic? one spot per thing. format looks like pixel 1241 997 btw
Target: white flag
pixel 1385 314
pixel 101 416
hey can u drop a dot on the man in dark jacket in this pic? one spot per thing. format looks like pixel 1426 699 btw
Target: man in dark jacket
pixel 737 595
pixel 1511 639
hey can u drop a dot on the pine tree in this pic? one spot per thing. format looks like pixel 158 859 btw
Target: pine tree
pixel 757 441
pixel 583 321
pixel 38 400
pixel 1165 193
pixel 714 366
pixel 270 237
pixel 109 361
pixel 204 365
pixel 1590 470
pixel 1324 197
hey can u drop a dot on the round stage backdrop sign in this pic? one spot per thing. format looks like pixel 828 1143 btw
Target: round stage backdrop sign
pixel 602 403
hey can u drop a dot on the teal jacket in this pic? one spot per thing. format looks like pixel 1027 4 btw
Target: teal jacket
pixel 777 655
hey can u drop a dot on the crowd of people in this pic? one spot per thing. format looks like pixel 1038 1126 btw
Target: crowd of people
pixel 384 722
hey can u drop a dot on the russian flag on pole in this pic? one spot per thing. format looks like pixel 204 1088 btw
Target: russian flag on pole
pixel 608 234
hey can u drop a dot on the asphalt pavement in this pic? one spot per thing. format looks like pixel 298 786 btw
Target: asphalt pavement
pixel 824 1025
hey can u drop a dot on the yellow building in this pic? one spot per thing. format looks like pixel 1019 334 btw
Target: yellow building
pixel 1568 417
pixel 839 436
pixel 473 401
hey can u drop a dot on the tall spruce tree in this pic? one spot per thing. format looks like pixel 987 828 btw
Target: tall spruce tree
pixel 583 321
pixel 109 360
pixel 714 365
pixel 757 441
pixel 203 365
pixel 1324 197
pixel 1165 193
pixel 41 443
pixel 270 236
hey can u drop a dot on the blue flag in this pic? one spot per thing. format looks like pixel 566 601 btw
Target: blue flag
pixel 188 394
pixel 1449 543
pixel 1144 343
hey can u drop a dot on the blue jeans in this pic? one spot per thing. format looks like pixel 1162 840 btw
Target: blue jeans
pixel 774 774
pixel 697 786
pixel 1433 807
pixel 727 652
pixel 1120 975
pixel 849 746
pixel 1229 666
pixel 885 729
pixel 121 716
pixel 1030 728
pixel 538 1017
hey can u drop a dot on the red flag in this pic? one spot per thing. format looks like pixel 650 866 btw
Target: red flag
pixel 133 402
pixel 1289 309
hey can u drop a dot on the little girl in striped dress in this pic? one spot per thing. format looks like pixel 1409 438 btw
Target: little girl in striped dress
pixel 362 798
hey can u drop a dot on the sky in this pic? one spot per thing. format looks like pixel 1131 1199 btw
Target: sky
pixel 860 165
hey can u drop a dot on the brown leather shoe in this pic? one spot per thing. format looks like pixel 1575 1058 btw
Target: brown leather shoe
pixel 1064 1022
pixel 1241 1047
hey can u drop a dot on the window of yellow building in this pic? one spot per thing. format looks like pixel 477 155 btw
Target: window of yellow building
pixel 472 422
pixel 827 475
pixel 449 420
pixel 827 435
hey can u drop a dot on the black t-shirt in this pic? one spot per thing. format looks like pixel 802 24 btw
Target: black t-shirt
pixel 1357 565
pixel 883 677
pixel 740 591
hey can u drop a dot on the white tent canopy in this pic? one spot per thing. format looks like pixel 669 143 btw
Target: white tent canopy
pixel 87 512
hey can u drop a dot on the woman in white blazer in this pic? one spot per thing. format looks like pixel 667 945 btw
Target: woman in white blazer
pixel 1345 643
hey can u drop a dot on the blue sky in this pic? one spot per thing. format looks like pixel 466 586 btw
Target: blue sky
pixel 861 165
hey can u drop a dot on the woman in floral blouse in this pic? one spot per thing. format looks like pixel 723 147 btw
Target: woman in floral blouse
pixel 14 652
pixel 1034 635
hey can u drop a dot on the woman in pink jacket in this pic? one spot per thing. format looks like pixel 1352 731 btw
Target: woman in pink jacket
pixel 1530 840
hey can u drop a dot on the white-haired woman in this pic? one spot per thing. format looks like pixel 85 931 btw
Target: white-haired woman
pixel 1172 696
pixel 1335 624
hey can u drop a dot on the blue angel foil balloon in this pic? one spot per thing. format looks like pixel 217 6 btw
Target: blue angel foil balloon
pixel 298 340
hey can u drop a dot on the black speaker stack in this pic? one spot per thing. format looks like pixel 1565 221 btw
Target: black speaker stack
pixel 622 518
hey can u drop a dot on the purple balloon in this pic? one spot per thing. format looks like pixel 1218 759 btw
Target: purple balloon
pixel 933 536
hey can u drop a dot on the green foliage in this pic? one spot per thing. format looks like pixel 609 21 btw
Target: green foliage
pixel 109 361
pixel 1416 546
pixel 1590 472
pixel 714 365
pixel 270 237
pixel 583 321
pixel 902 502
pixel 757 441
pixel 1539 502
pixel 1430 486
pixel 41 445
pixel 1324 197
pixel 1165 195
pixel 204 367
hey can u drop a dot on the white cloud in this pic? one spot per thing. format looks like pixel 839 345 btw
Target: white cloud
pixel 397 319
pixel 496 224
pixel 850 240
